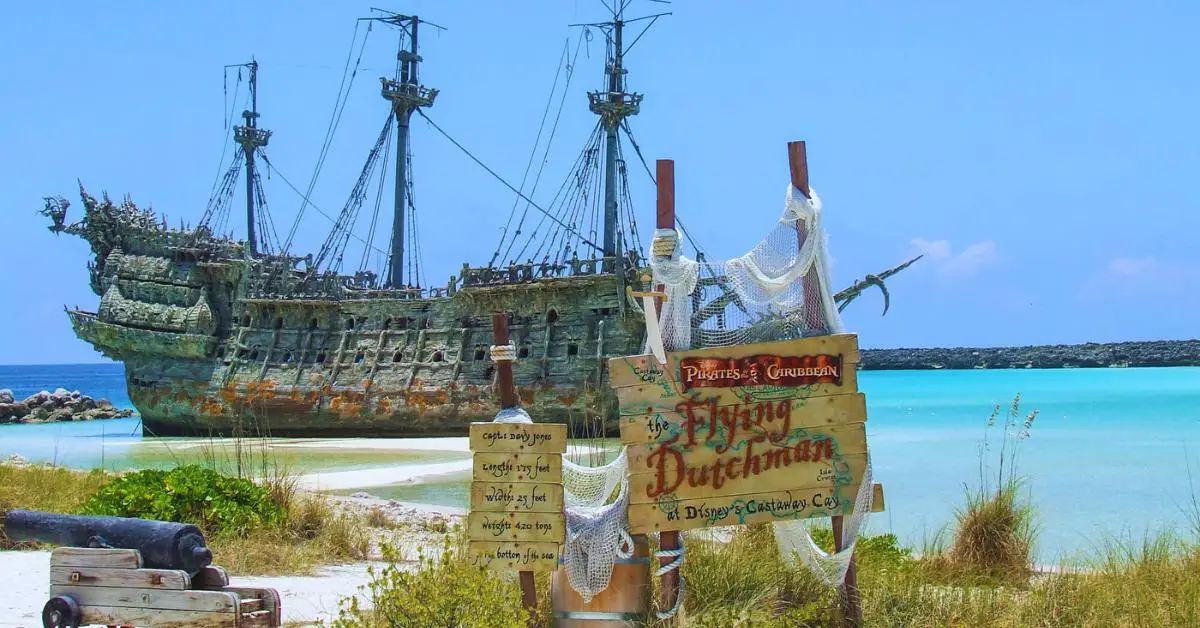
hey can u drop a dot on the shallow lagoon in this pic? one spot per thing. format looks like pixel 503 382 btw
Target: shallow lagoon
pixel 1109 454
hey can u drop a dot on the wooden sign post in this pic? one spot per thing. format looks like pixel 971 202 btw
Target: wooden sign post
pixel 665 219
pixel 745 434
pixel 516 521
pixel 814 316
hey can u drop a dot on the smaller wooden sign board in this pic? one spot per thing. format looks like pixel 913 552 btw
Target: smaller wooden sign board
pixel 516 520
pixel 742 434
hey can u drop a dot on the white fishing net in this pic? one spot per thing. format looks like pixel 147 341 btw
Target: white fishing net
pixel 794 538
pixel 596 522
pixel 780 290
pixel 512 415
pixel 597 504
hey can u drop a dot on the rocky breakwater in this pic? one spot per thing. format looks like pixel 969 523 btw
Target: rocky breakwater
pixel 1090 355
pixel 60 405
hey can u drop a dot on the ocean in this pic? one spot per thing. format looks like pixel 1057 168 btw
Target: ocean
pixel 1110 453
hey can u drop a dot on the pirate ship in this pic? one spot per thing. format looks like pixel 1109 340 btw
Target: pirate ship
pixel 223 336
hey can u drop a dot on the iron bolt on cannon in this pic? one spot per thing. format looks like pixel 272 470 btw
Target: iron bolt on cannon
pixel 137 572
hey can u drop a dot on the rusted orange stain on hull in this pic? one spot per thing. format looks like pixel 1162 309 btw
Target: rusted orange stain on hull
pixel 302 407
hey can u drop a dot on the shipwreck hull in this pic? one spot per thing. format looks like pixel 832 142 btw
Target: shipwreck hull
pixel 217 341
pixel 190 408
pixel 204 358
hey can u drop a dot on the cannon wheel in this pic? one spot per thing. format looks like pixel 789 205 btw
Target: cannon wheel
pixel 61 612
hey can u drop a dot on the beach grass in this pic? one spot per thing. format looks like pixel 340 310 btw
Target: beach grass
pixel 310 532
pixel 744 582
pixel 45 488
pixel 979 572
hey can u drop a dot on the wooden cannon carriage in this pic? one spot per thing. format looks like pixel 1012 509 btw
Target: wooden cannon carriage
pixel 111 587
pixel 115 571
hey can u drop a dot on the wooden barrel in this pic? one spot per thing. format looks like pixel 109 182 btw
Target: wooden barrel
pixel 624 603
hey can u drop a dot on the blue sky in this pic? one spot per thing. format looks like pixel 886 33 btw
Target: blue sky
pixel 1041 154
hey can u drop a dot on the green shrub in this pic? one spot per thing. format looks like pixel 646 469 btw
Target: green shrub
pixel 188 494
pixel 444 592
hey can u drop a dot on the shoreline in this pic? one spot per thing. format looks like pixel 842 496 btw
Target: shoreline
pixel 1127 354
pixel 1138 354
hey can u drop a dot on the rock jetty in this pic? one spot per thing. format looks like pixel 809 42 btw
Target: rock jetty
pixel 1091 355
pixel 60 405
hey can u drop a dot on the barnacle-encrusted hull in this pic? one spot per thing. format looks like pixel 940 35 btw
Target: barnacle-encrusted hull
pixel 215 342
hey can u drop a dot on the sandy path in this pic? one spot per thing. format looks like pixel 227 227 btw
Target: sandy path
pixel 25 577
pixel 398 474
pixel 380 476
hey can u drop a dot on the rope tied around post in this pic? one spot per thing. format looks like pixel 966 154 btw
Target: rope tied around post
pixel 503 353
pixel 664 568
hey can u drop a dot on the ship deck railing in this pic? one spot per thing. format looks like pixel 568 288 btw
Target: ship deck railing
pixel 331 286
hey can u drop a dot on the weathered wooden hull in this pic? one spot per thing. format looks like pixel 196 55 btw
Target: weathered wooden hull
pixel 215 341
pixel 183 408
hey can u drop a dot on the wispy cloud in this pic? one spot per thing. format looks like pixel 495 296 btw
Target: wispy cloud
pixel 973 259
pixel 1144 277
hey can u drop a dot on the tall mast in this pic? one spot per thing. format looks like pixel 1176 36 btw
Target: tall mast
pixel 613 107
pixel 406 94
pixel 250 137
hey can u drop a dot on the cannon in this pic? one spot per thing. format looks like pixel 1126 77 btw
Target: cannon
pixel 118 571
pixel 162 544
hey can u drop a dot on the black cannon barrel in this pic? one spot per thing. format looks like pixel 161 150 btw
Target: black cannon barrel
pixel 163 544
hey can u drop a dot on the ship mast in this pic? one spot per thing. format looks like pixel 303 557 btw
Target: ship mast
pixel 613 106
pixel 406 95
pixel 251 138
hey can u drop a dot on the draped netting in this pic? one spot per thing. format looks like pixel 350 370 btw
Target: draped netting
pixel 597 504
pixel 779 290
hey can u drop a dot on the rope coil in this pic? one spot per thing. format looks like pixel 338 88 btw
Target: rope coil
pixel 504 353
pixel 664 243
pixel 664 568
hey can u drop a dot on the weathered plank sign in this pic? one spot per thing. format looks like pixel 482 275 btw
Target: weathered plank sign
pixel 742 434
pixel 516 522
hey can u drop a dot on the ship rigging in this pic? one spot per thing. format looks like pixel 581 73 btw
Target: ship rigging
pixel 214 331
pixel 589 220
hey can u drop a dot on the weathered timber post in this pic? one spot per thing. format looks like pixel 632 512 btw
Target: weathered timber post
pixel 508 399
pixel 665 219
pixel 814 319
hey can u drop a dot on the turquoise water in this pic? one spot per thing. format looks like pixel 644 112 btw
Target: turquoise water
pixel 1108 454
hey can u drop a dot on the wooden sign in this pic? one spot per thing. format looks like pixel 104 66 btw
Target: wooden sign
pixel 516 522
pixel 742 434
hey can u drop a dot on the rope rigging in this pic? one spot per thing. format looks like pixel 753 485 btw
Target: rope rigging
pixel 387 153
pixel 506 184
pixel 579 201
pixel 271 168
pixel 268 237
pixel 570 68
pixel 232 104
pixel 339 236
pixel 557 242
pixel 339 107
pixel 216 214
pixel 650 173
pixel 529 164
pixel 626 202
pixel 414 242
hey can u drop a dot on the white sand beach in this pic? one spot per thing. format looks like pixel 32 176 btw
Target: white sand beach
pixel 25 576
pixel 305 599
